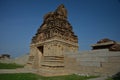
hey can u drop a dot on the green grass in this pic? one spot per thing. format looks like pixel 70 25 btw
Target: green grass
pixel 10 66
pixel 109 79
pixel 30 76
pixel 117 78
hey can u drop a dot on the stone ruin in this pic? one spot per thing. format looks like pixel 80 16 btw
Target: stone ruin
pixel 54 50
pixel 107 44
pixel 4 56
pixel 53 39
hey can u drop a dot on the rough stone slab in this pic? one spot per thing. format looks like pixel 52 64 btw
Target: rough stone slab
pixel 111 64
pixel 7 61
pixel 72 55
pixel 90 63
pixel 111 53
pixel 97 59
pixel 94 54
pixel 114 59
pixel 2 71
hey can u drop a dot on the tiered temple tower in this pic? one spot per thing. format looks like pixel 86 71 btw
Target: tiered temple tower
pixel 53 39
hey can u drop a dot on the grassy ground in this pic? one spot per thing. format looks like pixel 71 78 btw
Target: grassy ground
pixel 109 79
pixel 30 76
pixel 10 66
pixel 113 79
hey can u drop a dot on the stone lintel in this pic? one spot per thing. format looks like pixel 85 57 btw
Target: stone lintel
pixel 51 40
pixel 103 44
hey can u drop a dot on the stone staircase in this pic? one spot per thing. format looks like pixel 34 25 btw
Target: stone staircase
pixel 53 62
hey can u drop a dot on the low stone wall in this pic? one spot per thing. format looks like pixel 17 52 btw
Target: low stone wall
pixel 95 62
pixel 22 60
pixel 6 60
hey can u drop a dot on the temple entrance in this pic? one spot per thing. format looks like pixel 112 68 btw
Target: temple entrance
pixel 38 57
pixel 40 48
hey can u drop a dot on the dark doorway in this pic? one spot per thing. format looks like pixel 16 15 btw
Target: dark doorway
pixel 41 48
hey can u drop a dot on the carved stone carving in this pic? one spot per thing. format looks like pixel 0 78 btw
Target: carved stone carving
pixel 61 11
pixel 55 25
pixel 53 39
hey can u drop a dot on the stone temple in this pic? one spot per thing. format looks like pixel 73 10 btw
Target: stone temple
pixel 54 50
pixel 53 39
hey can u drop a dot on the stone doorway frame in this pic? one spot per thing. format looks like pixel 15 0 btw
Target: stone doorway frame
pixel 41 49
pixel 39 56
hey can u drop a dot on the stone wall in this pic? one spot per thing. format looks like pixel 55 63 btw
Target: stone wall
pixel 95 62
pixel 22 60
pixel 7 61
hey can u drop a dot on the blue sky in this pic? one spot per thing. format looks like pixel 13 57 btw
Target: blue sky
pixel 91 20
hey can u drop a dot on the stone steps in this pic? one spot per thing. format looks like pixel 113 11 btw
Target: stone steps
pixel 52 72
pixel 53 62
pixel 53 58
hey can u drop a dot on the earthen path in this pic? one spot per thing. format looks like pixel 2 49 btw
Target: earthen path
pixel 23 70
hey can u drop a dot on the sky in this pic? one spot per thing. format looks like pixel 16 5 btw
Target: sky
pixel 92 20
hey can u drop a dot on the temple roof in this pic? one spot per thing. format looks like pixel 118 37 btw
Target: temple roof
pixel 107 44
pixel 55 24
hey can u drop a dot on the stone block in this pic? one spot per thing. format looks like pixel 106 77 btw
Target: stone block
pixel 90 63
pixel 112 53
pixel 114 59
pixel 111 65
pixel 97 59
pixel 94 54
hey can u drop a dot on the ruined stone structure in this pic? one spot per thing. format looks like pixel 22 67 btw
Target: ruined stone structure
pixel 53 39
pixel 107 44
pixel 100 62
pixel 54 50
pixel 4 56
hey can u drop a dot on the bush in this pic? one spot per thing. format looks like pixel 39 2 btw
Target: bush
pixel 116 76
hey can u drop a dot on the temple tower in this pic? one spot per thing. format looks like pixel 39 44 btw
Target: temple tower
pixel 53 39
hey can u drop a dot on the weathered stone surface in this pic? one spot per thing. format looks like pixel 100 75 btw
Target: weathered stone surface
pixel 104 40
pixel 4 56
pixel 112 53
pixel 93 59
pixel 90 63
pixel 94 62
pixel 54 50
pixel 107 44
pixel 53 39
pixel 115 47
pixel 55 25
pixel 114 59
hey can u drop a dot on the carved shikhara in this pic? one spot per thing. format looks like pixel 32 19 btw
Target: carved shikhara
pixel 55 25
pixel 53 39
